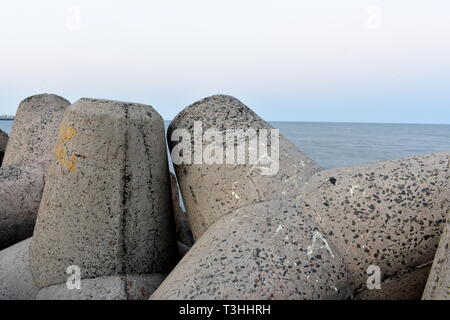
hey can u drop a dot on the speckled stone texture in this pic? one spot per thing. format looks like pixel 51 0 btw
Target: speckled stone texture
pixel 268 250
pixel 127 287
pixel 3 142
pixel 406 286
pixel 106 205
pixel 16 280
pixel 213 190
pixel 388 214
pixel 24 165
pixel 35 129
pixel 182 227
pixel 438 284
pixel 21 188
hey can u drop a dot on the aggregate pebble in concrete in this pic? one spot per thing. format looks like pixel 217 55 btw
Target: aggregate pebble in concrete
pixel 389 214
pixel 438 284
pixel 268 250
pixel 213 190
pixel 127 287
pixel 16 280
pixel 35 129
pixel 21 188
pixel 106 205
pixel 3 142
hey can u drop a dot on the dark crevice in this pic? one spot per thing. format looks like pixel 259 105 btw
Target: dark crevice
pixel 126 177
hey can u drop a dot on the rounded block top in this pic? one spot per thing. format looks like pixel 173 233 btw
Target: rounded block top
pixel 220 112
pixel 118 109
pixel 252 162
pixel 35 129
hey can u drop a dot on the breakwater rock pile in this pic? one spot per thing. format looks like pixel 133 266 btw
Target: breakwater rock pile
pixel 28 154
pixel 89 210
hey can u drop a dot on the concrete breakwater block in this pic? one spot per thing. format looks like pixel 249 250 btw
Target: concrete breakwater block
pixel 408 285
pixel 388 214
pixel 16 280
pixel 438 284
pixel 126 287
pixel 215 129
pixel 35 129
pixel 21 188
pixel 268 250
pixel 25 163
pixel 3 142
pixel 106 206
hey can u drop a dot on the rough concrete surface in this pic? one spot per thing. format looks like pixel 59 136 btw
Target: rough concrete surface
pixel 106 205
pixel 406 286
pixel 127 287
pixel 268 250
pixel 213 190
pixel 16 280
pixel 21 188
pixel 35 129
pixel 389 214
pixel 438 284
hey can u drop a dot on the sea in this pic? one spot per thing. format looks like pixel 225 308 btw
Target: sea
pixel 334 145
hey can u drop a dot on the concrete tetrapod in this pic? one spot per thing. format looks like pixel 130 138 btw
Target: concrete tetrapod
pixel 21 188
pixel 3 142
pixel 35 129
pixel 438 284
pixel 267 250
pixel 407 285
pixel 25 164
pixel 16 280
pixel 388 214
pixel 242 255
pixel 225 181
pixel 106 206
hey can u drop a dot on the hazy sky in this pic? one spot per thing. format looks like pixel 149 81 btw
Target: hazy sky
pixel 321 60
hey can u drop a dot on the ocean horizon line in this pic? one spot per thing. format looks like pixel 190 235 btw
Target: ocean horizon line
pixel 353 122
pixel 330 122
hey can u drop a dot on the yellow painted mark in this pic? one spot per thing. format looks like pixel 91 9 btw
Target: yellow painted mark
pixel 65 135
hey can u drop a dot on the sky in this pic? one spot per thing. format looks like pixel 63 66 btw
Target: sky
pixel 289 60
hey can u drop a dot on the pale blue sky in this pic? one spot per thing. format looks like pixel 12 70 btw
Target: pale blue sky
pixel 321 60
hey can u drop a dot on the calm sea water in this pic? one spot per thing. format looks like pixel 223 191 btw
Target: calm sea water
pixel 335 145
pixel 6 125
